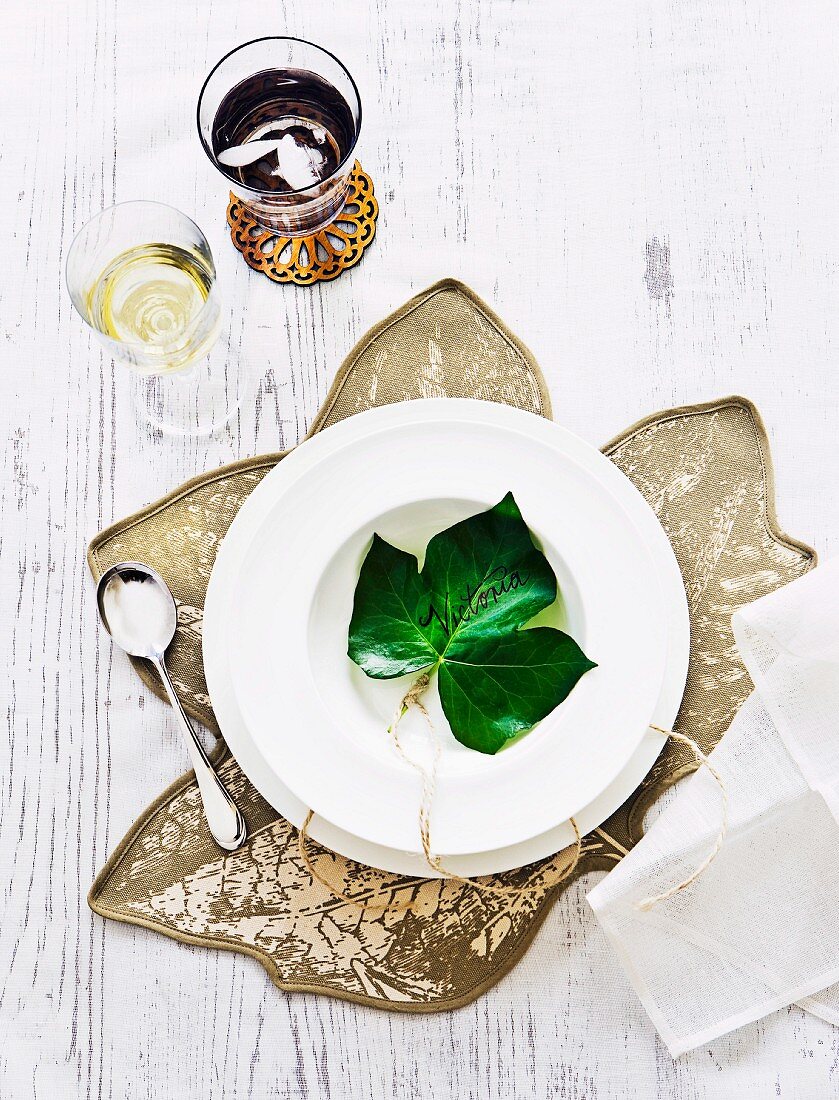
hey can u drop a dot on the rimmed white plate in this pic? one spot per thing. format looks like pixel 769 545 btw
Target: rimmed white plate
pixel 219 615
pixel 290 654
pixel 405 479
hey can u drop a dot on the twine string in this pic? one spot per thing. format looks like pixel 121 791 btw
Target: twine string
pixel 648 903
pixel 428 777
pixel 413 698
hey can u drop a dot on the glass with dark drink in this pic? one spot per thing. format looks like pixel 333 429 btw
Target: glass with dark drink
pixel 280 118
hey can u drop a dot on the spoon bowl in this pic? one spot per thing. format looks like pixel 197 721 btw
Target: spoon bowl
pixel 137 609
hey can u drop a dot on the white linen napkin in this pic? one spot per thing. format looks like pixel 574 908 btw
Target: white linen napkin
pixel 760 928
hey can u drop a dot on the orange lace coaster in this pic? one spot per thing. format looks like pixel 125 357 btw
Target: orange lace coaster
pixel 315 259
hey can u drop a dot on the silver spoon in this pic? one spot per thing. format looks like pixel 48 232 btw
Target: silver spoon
pixel 139 613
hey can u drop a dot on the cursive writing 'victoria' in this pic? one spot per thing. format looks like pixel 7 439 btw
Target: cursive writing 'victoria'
pixel 494 587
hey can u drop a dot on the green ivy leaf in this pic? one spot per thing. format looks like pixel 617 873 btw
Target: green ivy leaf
pixel 462 615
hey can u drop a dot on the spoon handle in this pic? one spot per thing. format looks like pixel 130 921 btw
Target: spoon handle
pixel 223 815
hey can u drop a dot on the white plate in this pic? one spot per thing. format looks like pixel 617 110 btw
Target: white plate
pixel 414 469
pixel 219 614
pixel 408 475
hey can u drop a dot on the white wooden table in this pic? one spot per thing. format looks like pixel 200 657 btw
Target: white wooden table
pixel 649 194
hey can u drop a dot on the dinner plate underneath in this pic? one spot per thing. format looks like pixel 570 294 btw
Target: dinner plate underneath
pixel 412 466
pixel 219 609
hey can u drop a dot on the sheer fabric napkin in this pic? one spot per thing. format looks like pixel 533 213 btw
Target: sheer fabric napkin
pixel 760 928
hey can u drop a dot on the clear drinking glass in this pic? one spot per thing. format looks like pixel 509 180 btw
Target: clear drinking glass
pixel 142 276
pixel 280 119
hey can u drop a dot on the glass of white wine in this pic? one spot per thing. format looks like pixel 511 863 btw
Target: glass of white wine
pixel 142 276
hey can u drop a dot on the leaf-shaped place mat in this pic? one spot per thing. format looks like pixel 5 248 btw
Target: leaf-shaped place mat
pixel 706 472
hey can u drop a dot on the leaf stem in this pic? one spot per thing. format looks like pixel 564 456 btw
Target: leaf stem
pixel 414 692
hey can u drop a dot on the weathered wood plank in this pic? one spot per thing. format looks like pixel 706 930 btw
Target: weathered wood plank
pixel 646 193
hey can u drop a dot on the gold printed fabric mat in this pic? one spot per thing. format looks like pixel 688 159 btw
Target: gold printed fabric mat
pixel 706 472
